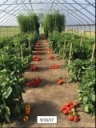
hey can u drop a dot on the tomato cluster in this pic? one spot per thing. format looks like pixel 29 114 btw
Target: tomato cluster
pixel 54 66
pixel 70 110
pixel 36 58
pixel 34 83
pixel 52 57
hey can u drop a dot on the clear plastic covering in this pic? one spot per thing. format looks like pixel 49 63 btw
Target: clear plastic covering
pixel 77 12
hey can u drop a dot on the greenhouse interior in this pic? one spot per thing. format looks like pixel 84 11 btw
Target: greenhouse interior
pixel 47 63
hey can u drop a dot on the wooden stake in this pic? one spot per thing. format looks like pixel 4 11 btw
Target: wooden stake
pixel 29 46
pixel 64 44
pixel 64 47
pixel 93 52
pixel 81 41
pixel 21 47
pixel 70 53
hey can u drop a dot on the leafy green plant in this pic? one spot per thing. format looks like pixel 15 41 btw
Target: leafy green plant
pixel 83 51
pixel 11 89
pixel 87 91
pixel 28 23
pixel 12 67
pixel 54 22
pixel 80 69
pixel 80 49
pixel 3 42
pixel 77 69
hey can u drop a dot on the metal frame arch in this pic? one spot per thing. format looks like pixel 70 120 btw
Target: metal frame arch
pixel 72 17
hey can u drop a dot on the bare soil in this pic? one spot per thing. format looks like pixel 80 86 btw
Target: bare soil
pixel 47 99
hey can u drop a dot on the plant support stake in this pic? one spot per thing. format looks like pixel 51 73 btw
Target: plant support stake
pixel 93 52
pixel 81 41
pixel 29 46
pixel 70 53
pixel 64 47
pixel 21 51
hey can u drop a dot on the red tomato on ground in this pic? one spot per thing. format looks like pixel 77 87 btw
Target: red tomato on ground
pixel 70 117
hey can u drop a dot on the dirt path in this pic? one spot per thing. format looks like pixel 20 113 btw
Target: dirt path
pixel 47 99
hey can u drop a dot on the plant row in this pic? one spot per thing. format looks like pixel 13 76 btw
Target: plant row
pixel 54 22
pixel 28 23
pixel 79 53
pixel 15 57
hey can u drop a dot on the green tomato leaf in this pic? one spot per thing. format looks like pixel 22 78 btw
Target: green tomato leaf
pixel 85 99
pixel 7 117
pixel 7 110
pixel 17 109
pixel 86 108
pixel 7 93
pixel 80 98
pixel 93 97
pixel 80 91
pixel 3 84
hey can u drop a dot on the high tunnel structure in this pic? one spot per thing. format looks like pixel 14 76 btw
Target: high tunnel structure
pixel 79 14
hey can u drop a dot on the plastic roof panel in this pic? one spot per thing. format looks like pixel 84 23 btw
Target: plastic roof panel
pixel 77 12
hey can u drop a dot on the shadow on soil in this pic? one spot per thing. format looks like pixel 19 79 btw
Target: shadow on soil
pixel 42 108
pixel 40 49
pixel 40 69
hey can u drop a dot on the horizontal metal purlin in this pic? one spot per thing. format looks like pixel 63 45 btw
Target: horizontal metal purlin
pixel 47 3
pixel 8 26
pixel 82 25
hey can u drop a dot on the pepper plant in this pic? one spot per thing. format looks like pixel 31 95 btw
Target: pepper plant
pixel 12 68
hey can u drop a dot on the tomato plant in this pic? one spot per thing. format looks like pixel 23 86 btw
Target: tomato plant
pixel 80 69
